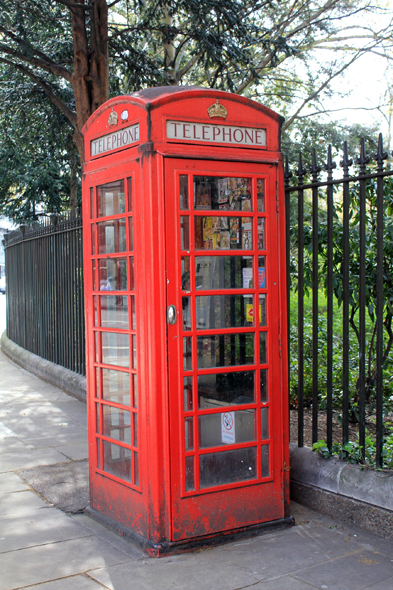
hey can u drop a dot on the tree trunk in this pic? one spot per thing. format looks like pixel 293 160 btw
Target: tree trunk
pixel 90 80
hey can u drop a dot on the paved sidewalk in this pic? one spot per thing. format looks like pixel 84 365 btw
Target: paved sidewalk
pixel 44 548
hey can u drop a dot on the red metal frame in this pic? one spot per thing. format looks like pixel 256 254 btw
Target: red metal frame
pixel 157 510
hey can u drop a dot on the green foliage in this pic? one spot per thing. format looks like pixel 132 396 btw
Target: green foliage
pixel 370 278
pixel 351 452
pixel 35 152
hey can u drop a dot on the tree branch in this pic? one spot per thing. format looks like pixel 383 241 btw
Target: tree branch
pixel 44 62
pixel 71 116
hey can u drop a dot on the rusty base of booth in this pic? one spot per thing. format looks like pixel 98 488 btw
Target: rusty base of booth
pixel 174 547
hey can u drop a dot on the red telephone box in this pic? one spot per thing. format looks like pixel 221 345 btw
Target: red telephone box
pixel 184 255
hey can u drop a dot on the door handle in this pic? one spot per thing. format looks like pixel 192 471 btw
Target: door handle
pixel 172 314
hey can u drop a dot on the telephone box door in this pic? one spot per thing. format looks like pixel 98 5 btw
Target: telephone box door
pixel 225 366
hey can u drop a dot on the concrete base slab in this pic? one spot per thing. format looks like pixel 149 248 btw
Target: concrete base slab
pixel 65 485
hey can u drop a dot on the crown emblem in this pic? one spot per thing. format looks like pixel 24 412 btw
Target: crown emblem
pixel 112 119
pixel 217 110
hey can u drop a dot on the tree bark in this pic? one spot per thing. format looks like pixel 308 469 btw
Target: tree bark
pixel 90 80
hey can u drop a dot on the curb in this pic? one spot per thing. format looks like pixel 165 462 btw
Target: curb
pixel 70 382
pixel 345 492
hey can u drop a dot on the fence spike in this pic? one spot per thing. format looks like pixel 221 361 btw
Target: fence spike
pixel 346 162
pixel 330 165
pixel 380 156
pixel 287 172
pixel 314 168
pixel 363 158
pixel 301 171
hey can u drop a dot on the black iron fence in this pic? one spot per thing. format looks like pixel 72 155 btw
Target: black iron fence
pixel 340 272
pixel 45 306
pixel 340 277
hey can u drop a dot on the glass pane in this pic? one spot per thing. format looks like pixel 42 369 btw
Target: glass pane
pixel 94 275
pixel 98 423
pixel 224 311
pixel 131 233
pixel 186 313
pixel 264 423
pixel 93 238
pixel 97 346
pixel 112 273
pixel 135 428
pixel 112 236
pixel 262 310
pixel 117 460
pixel 260 194
pixel 114 312
pixel 98 453
pixel 97 382
pixel 187 394
pixel 185 273
pixel 115 349
pixel 92 207
pixel 264 393
pixel 236 427
pixel 189 433
pixel 134 357
pixel 187 354
pixel 225 193
pixel 262 272
pixel 225 350
pixel 223 233
pixel 190 474
pixel 136 469
pixel 185 233
pixel 116 386
pixel 132 312
pixel 135 391
pixel 117 424
pixel 129 189
pixel 265 461
pixel 183 181
pixel 223 272
pixel 217 469
pixel 225 389
pixel 131 266
pixel 111 199
pixel 263 347
pixel 261 234
pixel 95 311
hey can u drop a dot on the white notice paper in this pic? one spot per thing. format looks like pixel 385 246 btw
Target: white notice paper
pixel 228 428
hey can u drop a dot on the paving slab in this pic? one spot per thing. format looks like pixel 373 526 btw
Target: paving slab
pixel 173 575
pixel 384 585
pixel 10 482
pixel 12 444
pixel 72 583
pixel 355 570
pixel 283 583
pixel 18 503
pixel 29 458
pixel 38 528
pixel 75 452
pixel 96 529
pixel 56 560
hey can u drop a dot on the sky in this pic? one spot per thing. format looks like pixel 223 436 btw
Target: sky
pixel 362 88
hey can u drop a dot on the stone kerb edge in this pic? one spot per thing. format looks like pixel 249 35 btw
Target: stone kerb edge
pixel 66 380
pixel 335 476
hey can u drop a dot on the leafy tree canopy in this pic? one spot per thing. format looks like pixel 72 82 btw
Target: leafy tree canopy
pixel 74 54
